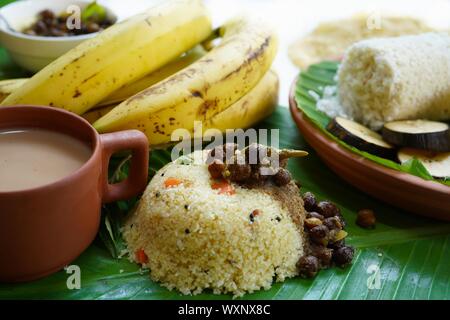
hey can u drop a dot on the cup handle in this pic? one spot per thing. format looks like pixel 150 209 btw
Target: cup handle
pixel 137 143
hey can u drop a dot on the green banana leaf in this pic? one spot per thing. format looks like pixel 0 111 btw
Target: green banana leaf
pixel 404 257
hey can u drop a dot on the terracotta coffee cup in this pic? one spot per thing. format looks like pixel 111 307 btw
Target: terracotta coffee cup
pixel 45 228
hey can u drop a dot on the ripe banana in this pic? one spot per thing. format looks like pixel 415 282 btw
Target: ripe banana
pixel 202 90
pixel 257 104
pixel 162 73
pixel 8 86
pixel 121 54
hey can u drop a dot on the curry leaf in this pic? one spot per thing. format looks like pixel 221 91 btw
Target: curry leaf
pixel 93 12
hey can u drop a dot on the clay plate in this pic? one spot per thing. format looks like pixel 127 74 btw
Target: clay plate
pixel 426 198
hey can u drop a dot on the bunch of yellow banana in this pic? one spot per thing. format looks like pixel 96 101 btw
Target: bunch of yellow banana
pixel 201 91
pixel 8 86
pixel 142 74
pixel 256 105
pixel 122 54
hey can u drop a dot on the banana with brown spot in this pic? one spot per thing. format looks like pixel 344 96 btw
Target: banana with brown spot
pixel 8 86
pixel 253 107
pixel 202 90
pixel 162 73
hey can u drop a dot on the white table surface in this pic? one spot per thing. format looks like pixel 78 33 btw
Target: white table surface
pixel 293 18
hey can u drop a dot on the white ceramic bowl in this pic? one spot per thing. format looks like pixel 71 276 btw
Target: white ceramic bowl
pixel 35 52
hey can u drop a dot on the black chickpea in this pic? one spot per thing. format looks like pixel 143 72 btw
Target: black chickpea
pixel 308 266
pixel 327 209
pixel 282 177
pixel 333 223
pixel 309 201
pixel 319 234
pixel 343 256
pixel 315 215
pixel 366 219
pixel 337 244
pixel 324 255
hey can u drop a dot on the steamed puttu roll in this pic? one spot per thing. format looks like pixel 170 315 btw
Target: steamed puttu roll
pixel 401 78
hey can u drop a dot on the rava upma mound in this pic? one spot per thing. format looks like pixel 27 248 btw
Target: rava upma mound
pixel 208 221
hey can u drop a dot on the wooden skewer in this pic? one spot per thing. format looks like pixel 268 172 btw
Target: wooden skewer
pixel 284 153
pixel 291 153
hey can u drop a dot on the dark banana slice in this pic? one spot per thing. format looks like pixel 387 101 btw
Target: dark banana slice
pixel 360 137
pixel 421 134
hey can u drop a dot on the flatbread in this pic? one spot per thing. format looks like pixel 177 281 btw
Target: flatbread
pixel 329 40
